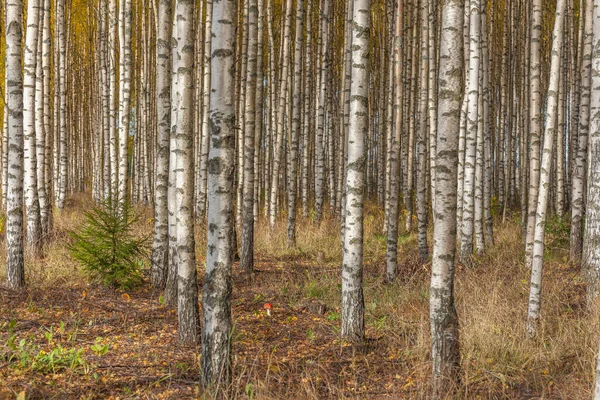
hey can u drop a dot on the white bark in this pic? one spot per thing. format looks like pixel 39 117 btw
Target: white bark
pixel 295 131
pixel 60 192
pixel 248 145
pixel 124 94
pixel 217 326
pixel 591 241
pixel 187 281
pixel 43 169
pixel 160 251
pixel 283 99
pixel 466 248
pixel 352 264
pixel 205 110
pixel 534 127
pixel 443 317
pixel 392 234
pixel 579 169
pixel 535 289
pixel 15 269
pixel 32 204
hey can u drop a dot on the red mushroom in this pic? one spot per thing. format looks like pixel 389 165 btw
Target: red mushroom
pixel 268 307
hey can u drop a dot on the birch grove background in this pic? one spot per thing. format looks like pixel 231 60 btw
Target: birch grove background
pixel 322 198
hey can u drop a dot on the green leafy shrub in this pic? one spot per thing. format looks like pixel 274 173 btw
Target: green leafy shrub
pixel 557 232
pixel 107 247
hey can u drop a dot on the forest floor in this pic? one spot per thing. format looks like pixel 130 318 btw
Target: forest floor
pixel 64 337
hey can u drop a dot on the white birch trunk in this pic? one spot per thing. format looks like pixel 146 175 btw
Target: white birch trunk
pixel 534 127
pixel 537 265
pixel 392 233
pixel 160 247
pixel 353 328
pixel 32 204
pixel 442 311
pixel 591 241
pixel 124 94
pixel 187 281
pixel 60 192
pixel 580 163
pixel 15 268
pixel 295 131
pixel 466 248
pixel 283 99
pixel 248 145
pixel 217 325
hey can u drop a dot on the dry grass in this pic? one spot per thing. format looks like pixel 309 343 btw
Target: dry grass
pixel 298 355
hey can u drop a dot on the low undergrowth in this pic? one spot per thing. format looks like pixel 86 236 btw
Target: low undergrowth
pixel 122 344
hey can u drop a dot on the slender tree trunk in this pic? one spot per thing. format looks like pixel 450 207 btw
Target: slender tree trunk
pixel 591 247
pixel 160 247
pixel 392 234
pixel 466 247
pixel 283 99
pixel 205 110
pixel 295 132
pixel 187 281
pixel 487 138
pixel 408 193
pixel 217 326
pixel 112 73
pixel 61 190
pixel 534 127
pixel 15 268
pixel 260 83
pixel 32 204
pixel 579 168
pixel 535 289
pixel 432 97
pixel 44 110
pixel 443 317
pixel 124 94
pixel 353 326
pixel 422 207
pixel 247 253
pixel 171 284
pixel 321 121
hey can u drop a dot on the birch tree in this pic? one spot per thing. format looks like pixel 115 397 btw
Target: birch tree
pixel 247 253
pixel 579 169
pixel 217 325
pixel 392 234
pixel 44 133
pixel 205 110
pixel 592 228
pixel 321 112
pixel 353 328
pixel 443 317
pixel 534 127
pixel 187 281
pixel 466 247
pixel 591 247
pixel 160 247
pixel 124 94
pixel 295 132
pixel 535 288
pixel 282 101
pixel 422 207
pixel 15 266
pixel 60 190
pixel 34 228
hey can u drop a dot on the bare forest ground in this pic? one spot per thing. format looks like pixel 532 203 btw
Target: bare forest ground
pixel 76 339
